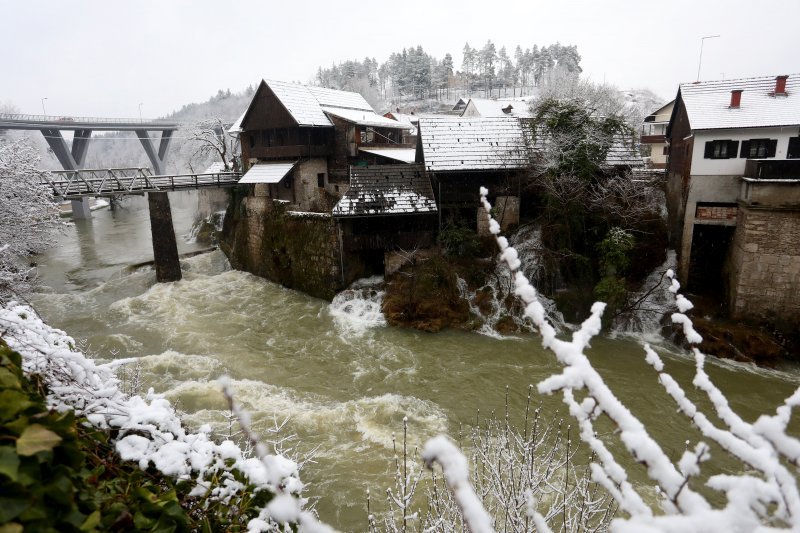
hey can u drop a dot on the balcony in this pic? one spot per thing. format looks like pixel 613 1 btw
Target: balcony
pixel 772 169
pixel 653 132
pixel 285 152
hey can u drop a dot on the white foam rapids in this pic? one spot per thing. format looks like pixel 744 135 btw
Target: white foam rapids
pixel 358 308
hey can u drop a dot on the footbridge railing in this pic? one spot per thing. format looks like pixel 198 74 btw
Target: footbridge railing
pixel 74 184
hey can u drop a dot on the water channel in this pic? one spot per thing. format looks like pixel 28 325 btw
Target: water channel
pixel 344 381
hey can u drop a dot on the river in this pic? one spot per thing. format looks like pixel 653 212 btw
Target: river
pixel 345 386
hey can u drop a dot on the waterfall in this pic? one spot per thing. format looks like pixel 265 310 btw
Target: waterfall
pixel 358 309
pixel 495 303
pixel 206 228
pixel 649 304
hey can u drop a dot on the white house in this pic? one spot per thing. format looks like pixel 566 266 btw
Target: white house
pixel 726 138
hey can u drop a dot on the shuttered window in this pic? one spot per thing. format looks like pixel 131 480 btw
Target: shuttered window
pixel 720 149
pixel 794 148
pixel 758 148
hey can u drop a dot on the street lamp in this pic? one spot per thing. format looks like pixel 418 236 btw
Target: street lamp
pixel 43 111
pixel 140 111
pixel 702 41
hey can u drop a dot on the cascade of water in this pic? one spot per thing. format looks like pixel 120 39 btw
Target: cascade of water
pixel 357 309
pixel 215 219
pixel 649 304
pixel 495 301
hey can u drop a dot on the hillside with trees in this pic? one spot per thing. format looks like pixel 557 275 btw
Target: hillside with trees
pixel 413 73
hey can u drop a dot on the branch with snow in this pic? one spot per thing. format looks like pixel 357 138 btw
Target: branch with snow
pixel 764 494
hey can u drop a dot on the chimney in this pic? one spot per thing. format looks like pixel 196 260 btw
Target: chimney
pixel 780 85
pixel 736 98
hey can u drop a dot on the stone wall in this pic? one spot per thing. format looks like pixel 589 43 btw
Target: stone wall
pixel 506 212
pixel 297 250
pixel 764 264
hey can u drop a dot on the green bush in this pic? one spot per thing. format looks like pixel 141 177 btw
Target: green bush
pixel 58 474
pixel 459 241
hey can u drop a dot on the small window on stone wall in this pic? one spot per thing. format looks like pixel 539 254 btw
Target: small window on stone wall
pixel 321 179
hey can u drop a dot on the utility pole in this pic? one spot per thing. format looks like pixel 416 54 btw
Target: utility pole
pixel 702 41
pixel 43 111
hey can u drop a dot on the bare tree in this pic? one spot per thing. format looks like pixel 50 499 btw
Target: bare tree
pixel 212 140
pixel 28 216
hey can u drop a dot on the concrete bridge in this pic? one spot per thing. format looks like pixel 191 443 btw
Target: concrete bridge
pixel 76 183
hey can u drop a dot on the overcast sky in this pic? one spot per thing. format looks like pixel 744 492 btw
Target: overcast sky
pixel 104 58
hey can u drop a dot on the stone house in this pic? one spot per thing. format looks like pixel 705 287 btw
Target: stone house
pixel 294 218
pixel 733 192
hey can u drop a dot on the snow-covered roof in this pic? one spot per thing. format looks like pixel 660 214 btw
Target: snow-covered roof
pixel 365 118
pixel 495 108
pixel 383 190
pixel 473 143
pixel 267 172
pixel 478 143
pixel 405 155
pixel 623 154
pixel 305 102
pixel 215 168
pixel 236 127
pixel 708 103
pixel 410 120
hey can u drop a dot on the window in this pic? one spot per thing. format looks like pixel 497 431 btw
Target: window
pixel 758 148
pixel 720 149
pixel 321 179
pixel 794 148
pixel 367 135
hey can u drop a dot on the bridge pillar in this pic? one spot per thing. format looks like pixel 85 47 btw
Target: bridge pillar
pixel 165 246
pixel 71 159
pixel 81 209
pixel 157 157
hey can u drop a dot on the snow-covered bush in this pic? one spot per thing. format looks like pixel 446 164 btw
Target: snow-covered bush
pixel 28 215
pixel 258 493
pixel 511 467
pixel 763 496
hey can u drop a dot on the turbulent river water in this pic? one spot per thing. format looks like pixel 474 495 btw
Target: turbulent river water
pixel 343 378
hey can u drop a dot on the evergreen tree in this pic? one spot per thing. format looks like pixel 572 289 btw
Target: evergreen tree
pixel 488 59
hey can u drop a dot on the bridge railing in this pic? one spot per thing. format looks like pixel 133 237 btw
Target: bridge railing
pixel 134 180
pixel 16 117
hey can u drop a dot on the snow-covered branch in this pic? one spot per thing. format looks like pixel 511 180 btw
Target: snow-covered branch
pixel 764 495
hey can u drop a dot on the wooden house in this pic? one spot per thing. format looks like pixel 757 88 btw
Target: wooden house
pixel 299 141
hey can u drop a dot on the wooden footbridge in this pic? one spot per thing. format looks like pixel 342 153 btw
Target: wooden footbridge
pixel 77 184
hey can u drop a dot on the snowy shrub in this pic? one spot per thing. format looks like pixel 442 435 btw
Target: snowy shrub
pixel 257 493
pixel 28 216
pixel 511 468
pixel 763 495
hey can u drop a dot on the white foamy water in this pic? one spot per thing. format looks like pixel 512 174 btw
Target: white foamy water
pixel 650 303
pixel 495 300
pixel 358 309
